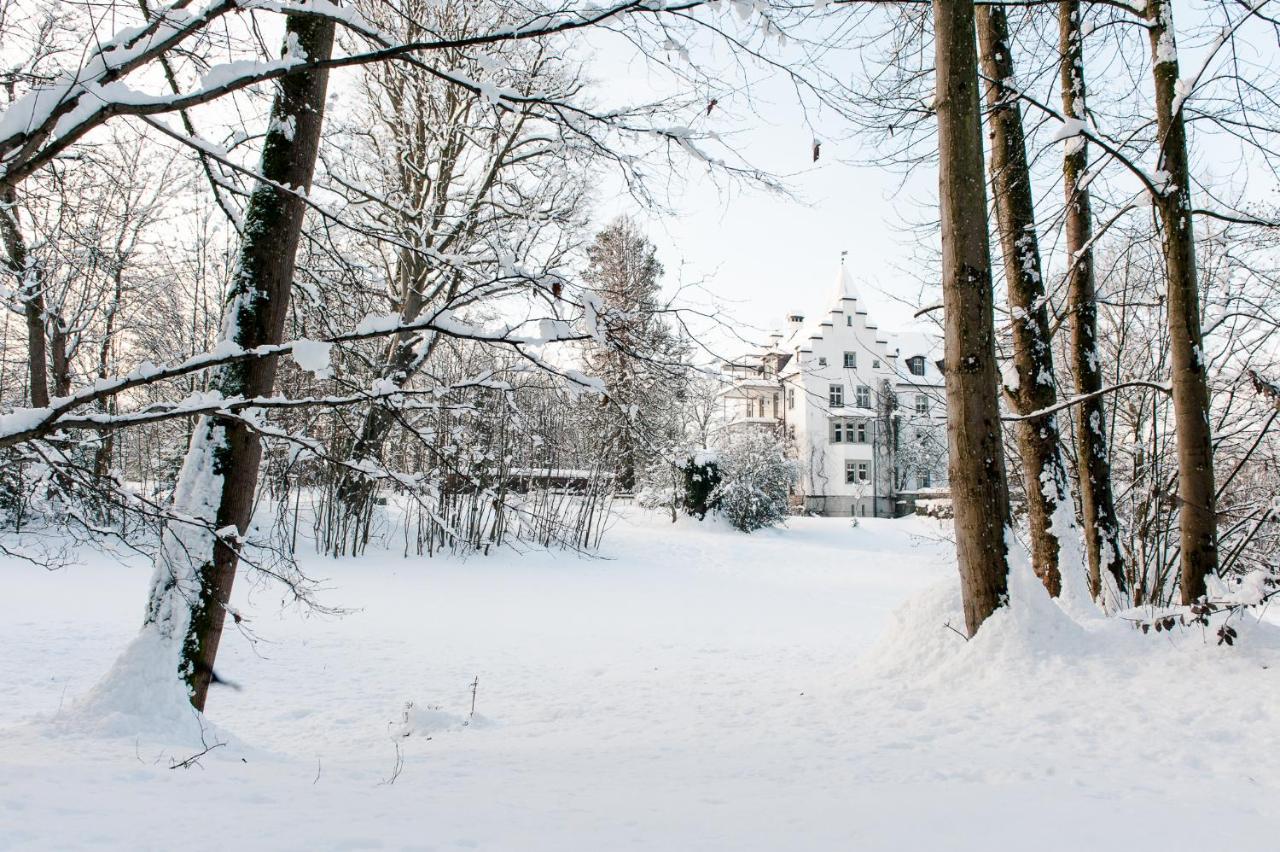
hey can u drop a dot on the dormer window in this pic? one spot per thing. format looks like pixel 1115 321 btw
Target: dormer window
pixel 915 365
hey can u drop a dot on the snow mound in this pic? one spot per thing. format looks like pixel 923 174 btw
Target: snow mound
pixel 426 720
pixel 139 697
pixel 925 637
pixel 1034 635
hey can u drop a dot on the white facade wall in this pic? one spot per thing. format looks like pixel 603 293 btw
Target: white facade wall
pixel 838 370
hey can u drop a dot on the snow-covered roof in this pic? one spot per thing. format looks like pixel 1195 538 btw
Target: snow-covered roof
pixel 845 288
pixel 913 342
pixel 845 297
pixel 756 383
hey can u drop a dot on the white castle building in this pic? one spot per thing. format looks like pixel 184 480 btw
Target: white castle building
pixel 863 411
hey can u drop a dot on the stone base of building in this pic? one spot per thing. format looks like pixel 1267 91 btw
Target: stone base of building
pixel 839 506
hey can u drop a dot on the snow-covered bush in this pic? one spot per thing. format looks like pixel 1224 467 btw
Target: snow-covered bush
pixel 685 484
pixel 660 485
pixel 701 477
pixel 756 477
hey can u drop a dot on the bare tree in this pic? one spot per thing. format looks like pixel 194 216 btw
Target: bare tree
pixel 1187 363
pixel 29 295
pixel 197 564
pixel 1097 503
pixel 467 191
pixel 1044 474
pixel 977 474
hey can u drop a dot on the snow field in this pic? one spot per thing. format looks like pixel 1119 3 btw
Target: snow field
pixel 696 689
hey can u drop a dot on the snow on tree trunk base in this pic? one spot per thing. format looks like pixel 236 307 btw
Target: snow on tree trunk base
pixel 148 687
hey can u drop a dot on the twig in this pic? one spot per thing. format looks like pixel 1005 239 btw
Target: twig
pixel 194 760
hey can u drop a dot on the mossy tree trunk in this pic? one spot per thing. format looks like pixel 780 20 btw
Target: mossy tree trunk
pixel 218 481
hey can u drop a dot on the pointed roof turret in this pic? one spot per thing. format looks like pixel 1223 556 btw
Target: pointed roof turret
pixel 845 288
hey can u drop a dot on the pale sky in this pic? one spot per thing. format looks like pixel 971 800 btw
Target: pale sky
pixel 758 255
pixel 761 257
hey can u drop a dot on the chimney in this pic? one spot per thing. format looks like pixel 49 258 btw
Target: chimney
pixel 794 322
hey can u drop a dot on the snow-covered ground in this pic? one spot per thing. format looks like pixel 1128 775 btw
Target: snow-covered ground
pixel 696 689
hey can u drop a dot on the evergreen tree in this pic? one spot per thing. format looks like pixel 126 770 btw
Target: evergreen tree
pixel 637 355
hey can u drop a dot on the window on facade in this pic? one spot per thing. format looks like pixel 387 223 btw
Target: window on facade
pixel 862 471
pixel 775 405
pixel 864 396
pixel 922 404
pixel 791 398
pixel 835 396
pixel 848 320
pixel 750 408
pixel 915 365
pixel 760 406
pixel 822 362
pixel 875 363
pixel 861 432
pixel 850 360
pixel 925 479
pixel 850 472
pixel 837 431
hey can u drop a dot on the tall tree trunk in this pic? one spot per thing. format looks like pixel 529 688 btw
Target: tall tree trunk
pixel 106 440
pixel 1197 513
pixel 978 488
pixel 1097 502
pixel 408 351
pixel 31 292
pixel 197 566
pixel 59 360
pixel 1044 473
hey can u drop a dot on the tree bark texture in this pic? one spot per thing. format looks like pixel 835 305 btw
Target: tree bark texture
pixel 1093 460
pixel 219 476
pixel 31 291
pixel 978 486
pixel 1039 442
pixel 1196 499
